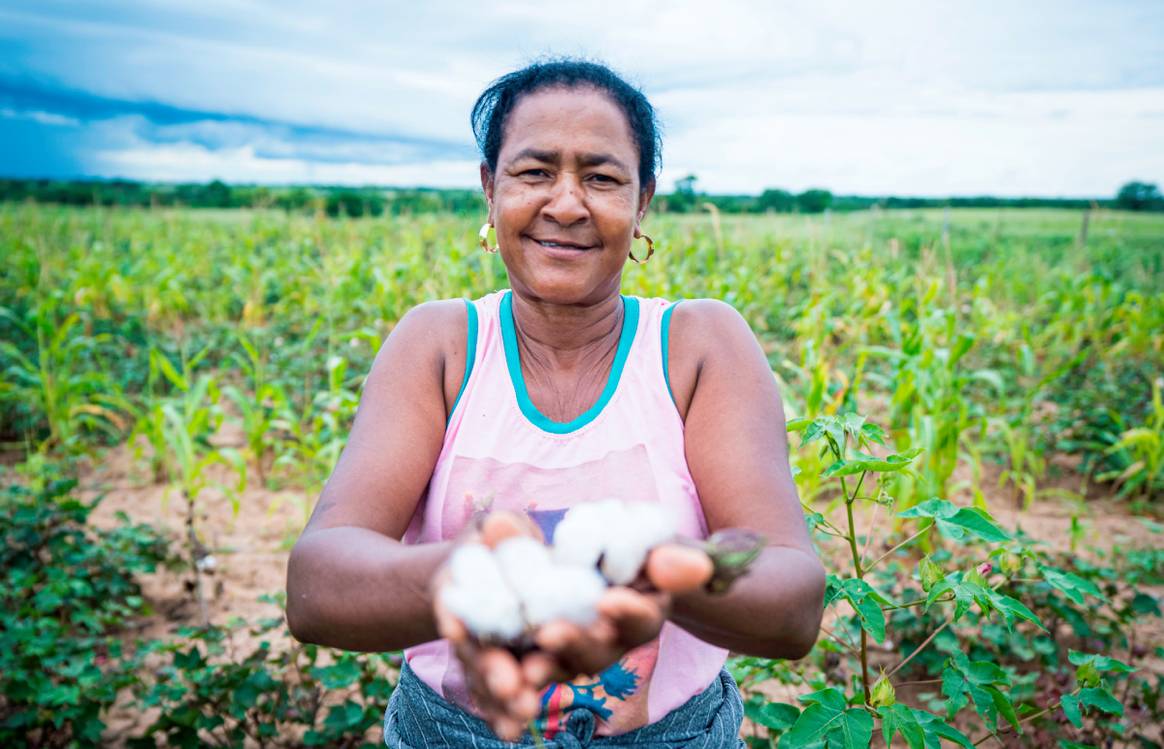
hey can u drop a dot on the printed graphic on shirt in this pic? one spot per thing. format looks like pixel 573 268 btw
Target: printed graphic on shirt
pixel 485 484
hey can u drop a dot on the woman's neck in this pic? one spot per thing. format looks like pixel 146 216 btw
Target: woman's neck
pixel 567 337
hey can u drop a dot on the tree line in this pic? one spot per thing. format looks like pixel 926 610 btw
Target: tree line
pixel 338 201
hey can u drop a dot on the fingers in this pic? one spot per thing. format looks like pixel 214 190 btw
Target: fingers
pixel 678 569
pixel 448 625
pixel 497 682
pixel 498 526
pixel 637 617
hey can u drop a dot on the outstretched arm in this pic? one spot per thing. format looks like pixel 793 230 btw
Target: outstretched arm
pixel 737 452
pixel 350 582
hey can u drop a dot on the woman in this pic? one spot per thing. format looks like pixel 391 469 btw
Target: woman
pixel 520 404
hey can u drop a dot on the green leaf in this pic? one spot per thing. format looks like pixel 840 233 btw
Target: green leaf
pixel 828 717
pixel 1100 662
pixel 900 719
pixel 931 508
pixel 1101 699
pixel 936 729
pixel 1070 705
pixel 954 689
pixel 1070 584
pixel 778 716
pixel 1012 608
pixel 973 521
pixel 859 462
pixel 867 602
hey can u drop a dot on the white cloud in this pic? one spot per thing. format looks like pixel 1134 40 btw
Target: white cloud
pixel 903 97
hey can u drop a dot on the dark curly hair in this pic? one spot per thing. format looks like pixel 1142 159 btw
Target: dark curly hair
pixel 496 102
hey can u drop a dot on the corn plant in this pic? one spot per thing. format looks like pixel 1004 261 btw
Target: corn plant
pixel 61 378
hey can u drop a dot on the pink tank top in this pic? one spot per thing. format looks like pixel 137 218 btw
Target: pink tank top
pixel 500 452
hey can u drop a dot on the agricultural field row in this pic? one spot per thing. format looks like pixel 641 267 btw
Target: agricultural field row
pixel 947 375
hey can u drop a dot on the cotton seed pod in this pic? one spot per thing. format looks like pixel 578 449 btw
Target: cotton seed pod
pixel 931 574
pixel 620 534
pixel 882 694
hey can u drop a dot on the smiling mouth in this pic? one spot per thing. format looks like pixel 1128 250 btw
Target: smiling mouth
pixel 561 245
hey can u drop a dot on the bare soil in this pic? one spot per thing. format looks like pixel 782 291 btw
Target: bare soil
pixel 251 544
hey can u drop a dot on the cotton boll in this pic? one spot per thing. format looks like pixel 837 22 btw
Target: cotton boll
pixel 580 536
pixel 653 524
pixel 487 612
pixel 473 565
pixel 519 555
pixel 583 588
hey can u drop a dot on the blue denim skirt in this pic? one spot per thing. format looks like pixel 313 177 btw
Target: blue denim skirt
pixel 419 718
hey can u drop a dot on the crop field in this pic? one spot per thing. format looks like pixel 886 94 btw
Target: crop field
pixel 976 424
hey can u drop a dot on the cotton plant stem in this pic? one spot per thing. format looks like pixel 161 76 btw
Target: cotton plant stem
pixel 869 531
pixel 920 648
pixel 879 559
pixel 1032 716
pixel 852 537
pixel 851 649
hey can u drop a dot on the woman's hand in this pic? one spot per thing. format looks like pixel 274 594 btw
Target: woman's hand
pixel 497 681
pixel 505 689
pixel 627 617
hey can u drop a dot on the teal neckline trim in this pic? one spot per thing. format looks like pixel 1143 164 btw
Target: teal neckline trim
pixel 666 327
pixel 470 354
pixel 630 324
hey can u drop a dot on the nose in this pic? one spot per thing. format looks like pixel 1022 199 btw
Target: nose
pixel 566 205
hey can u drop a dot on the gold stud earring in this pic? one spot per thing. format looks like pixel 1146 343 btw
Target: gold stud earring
pixel 484 236
pixel 650 248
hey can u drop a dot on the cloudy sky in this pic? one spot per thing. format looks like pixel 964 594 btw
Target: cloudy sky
pixel 928 98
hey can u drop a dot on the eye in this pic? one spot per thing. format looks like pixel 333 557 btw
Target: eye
pixel 604 178
pixel 534 173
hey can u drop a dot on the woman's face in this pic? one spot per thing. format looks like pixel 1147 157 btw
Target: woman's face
pixel 565 198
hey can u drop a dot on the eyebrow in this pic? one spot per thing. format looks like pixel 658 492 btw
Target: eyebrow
pixel 553 157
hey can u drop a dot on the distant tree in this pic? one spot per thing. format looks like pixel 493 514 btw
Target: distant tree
pixel 1139 196
pixel 780 201
pixel 684 198
pixel 814 201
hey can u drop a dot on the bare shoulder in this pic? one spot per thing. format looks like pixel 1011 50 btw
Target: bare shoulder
pixel 705 333
pixel 432 337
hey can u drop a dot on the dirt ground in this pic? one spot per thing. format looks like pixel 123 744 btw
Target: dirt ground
pixel 251 547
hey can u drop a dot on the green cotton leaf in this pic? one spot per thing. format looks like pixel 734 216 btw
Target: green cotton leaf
pixel 971 521
pixel 1070 584
pixel 817 720
pixel 1003 704
pixel 873 433
pixel 829 718
pixel 1144 604
pixel 1101 699
pixel 1070 705
pixel 855 730
pixel 867 602
pixel 859 462
pixel 936 729
pixel 1012 608
pixel 339 676
pixel 1065 744
pixel 778 716
pixel 798 424
pixel 954 690
pixel 931 508
pixel 897 719
pixel 1100 662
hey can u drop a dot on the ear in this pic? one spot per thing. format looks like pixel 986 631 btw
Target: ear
pixel 645 197
pixel 487 187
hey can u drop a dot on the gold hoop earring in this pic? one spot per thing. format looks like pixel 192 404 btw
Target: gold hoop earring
pixel 484 237
pixel 650 249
